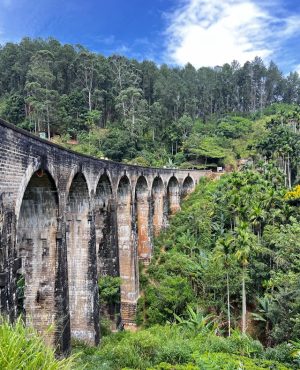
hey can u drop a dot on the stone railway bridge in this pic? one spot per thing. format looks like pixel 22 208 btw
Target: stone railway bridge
pixel 65 220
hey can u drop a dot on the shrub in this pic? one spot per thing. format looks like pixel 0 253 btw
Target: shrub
pixel 225 361
pixel 21 348
pixel 280 353
pixel 238 344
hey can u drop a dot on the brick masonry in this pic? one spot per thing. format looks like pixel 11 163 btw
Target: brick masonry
pixel 65 220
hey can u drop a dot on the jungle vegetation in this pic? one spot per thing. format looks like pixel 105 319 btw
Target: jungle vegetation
pixel 222 290
pixel 136 111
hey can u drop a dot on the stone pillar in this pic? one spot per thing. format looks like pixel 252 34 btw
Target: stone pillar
pixel 63 333
pixel 143 221
pixel 37 246
pixel 127 255
pixel 82 270
pixel 9 262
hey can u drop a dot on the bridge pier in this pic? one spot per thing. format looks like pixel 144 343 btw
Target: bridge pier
pixel 37 247
pixel 9 261
pixel 127 254
pixel 82 270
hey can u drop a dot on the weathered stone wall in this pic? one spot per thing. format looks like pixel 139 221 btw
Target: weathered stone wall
pixel 36 242
pixel 65 220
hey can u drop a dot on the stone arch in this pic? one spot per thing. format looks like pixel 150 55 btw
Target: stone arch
pixel 187 186
pixel 143 219
pixel 127 253
pixel 173 192
pixel 105 223
pixel 82 272
pixel 37 232
pixel 157 197
pixel 103 189
pixel 31 169
pixel 106 237
pixel 75 172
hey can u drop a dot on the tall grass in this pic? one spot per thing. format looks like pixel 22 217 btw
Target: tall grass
pixel 173 347
pixel 22 349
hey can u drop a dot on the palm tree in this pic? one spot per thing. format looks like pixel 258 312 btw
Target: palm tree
pixel 244 241
pixel 257 217
pixel 223 253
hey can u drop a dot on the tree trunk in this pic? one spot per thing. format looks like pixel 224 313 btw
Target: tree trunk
pixel 133 117
pixel 90 101
pixel 244 303
pixel 289 172
pixel 48 122
pixel 228 305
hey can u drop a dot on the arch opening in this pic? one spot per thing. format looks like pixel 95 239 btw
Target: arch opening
pixel 143 220
pixel 187 186
pixel 37 229
pixel 127 253
pixel 81 272
pixel 157 195
pixel 106 240
pixel 103 205
pixel 173 196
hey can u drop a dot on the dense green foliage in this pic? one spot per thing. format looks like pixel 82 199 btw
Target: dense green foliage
pixel 175 347
pixel 228 263
pixel 134 111
pixel 239 231
pixel 22 349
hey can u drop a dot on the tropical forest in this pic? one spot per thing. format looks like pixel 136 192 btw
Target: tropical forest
pixel 222 290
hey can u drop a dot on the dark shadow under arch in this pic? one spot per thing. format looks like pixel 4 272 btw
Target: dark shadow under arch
pixel 187 186
pixel 173 192
pixel 142 207
pixel 106 240
pixel 157 205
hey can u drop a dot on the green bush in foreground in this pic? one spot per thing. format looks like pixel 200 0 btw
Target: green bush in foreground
pixel 225 361
pixel 22 349
pixel 173 347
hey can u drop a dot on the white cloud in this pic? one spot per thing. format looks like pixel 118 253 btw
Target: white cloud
pixel 214 32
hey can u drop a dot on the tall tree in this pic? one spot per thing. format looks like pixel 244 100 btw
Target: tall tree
pixel 41 98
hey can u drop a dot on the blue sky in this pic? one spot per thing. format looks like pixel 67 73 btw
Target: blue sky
pixel 202 32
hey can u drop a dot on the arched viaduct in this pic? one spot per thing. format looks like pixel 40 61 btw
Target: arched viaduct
pixel 65 220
